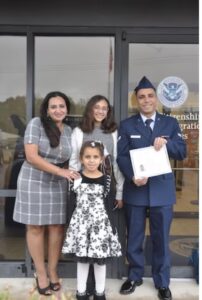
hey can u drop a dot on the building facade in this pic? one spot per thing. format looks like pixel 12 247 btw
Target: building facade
pixel 93 47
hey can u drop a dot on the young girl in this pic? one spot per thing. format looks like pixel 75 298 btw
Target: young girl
pixel 98 124
pixel 91 236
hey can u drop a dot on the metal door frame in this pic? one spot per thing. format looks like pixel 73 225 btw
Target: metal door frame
pixel 145 36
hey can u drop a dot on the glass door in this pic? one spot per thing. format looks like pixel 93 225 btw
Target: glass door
pixel 173 68
pixel 12 126
pixel 81 67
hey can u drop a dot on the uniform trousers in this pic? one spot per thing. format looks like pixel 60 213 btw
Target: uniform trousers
pixel 160 219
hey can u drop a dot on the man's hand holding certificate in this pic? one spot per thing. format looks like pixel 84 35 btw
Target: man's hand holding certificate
pixel 148 162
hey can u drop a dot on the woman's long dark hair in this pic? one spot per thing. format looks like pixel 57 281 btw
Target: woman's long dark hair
pixel 52 131
pixel 87 124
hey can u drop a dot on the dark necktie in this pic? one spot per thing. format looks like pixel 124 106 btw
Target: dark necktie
pixel 148 122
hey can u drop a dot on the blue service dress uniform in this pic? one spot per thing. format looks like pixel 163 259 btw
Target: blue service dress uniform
pixel 158 195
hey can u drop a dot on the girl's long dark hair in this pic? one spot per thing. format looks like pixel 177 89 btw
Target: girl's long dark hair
pixel 87 124
pixel 52 131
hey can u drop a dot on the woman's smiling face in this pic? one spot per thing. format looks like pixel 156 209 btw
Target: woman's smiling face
pixel 100 110
pixel 57 109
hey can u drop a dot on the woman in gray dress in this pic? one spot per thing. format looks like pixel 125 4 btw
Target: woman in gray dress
pixel 42 187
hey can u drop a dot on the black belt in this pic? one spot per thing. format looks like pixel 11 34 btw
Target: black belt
pixel 61 165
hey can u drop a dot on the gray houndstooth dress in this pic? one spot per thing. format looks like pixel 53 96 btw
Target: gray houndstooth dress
pixel 41 197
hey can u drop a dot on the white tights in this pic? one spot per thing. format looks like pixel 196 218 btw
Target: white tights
pixel 82 275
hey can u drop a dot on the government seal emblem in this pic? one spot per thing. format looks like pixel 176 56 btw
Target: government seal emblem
pixel 172 91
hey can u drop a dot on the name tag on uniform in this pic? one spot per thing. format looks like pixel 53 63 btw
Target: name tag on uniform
pixel 135 136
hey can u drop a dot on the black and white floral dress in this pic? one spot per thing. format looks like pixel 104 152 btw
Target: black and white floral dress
pixel 90 236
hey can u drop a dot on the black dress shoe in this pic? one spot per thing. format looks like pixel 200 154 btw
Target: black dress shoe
pixel 129 286
pixel 99 297
pixel 164 294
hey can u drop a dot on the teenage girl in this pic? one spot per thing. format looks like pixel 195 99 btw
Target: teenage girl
pixel 91 236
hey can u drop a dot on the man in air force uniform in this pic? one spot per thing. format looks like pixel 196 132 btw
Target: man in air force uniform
pixel 155 195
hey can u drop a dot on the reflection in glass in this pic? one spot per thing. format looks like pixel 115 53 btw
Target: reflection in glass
pixel 78 66
pixel 12 234
pixel 158 61
pixel 187 193
pixel 12 107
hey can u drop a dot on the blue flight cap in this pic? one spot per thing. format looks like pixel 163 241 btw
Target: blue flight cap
pixel 144 84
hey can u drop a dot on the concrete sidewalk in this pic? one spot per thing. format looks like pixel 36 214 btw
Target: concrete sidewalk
pixel 23 289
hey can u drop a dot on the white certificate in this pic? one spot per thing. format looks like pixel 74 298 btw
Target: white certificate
pixel 148 162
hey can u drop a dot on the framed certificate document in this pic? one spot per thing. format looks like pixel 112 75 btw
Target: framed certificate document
pixel 148 162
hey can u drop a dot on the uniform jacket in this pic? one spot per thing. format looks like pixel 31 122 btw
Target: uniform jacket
pixel 159 190
pixel 77 140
